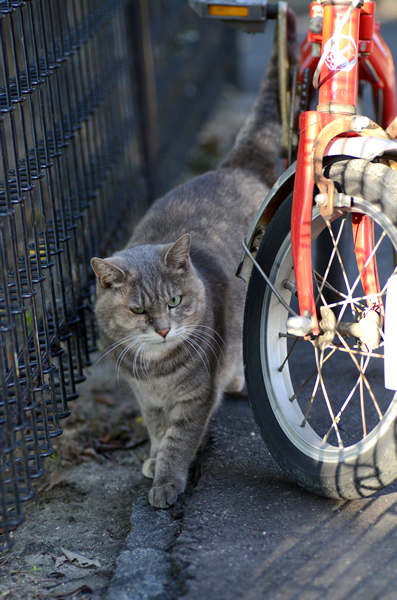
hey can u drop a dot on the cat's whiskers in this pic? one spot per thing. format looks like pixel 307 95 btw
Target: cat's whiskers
pixel 196 335
pixel 142 361
pixel 213 330
pixel 116 345
pixel 134 366
pixel 122 356
pixel 204 335
pixel 193 344
pixel 194 329
pixel 123 353
pixel 185 347
pixel 135 362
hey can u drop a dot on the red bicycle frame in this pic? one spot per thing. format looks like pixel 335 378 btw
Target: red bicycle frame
pixel 358 53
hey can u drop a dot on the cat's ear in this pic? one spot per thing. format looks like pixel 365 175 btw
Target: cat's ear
pixel 177 256
pixel 109 274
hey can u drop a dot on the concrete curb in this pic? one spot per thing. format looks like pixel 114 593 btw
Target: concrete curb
pixel 144 569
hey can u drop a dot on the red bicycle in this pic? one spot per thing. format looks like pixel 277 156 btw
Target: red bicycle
pixel 320 332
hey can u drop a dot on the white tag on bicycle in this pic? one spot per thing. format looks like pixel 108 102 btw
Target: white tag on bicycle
pixel 390 347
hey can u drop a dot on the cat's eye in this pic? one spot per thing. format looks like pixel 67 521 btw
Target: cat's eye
pixel 138 310
pixel 175 301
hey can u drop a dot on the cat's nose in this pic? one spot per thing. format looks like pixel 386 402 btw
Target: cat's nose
pixel 163 332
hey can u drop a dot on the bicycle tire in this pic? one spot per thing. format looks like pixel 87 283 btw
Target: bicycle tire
pixel 367 459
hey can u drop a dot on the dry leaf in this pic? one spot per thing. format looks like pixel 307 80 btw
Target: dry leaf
pixel 105 399
pixel 57 477
pixel 79 560
pixel 59 560
pixel 89 452
pixel 83 589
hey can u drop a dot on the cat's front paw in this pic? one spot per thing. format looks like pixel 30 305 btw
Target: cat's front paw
pixel 164 496
pixel 148 468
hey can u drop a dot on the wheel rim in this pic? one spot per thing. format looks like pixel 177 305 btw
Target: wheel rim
pixel 328 421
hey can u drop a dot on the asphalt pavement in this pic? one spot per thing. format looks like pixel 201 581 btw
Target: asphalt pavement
pixel 243 531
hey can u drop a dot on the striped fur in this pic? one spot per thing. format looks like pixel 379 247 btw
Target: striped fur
pixel 180 358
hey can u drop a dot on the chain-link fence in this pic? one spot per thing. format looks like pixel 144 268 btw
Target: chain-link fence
pixel 99 102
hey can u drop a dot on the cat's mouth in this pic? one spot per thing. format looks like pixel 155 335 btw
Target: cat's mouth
pixel 163 337
pixel 159 346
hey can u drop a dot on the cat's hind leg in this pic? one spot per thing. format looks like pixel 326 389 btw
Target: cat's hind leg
pixel 148 468
pixel 237 382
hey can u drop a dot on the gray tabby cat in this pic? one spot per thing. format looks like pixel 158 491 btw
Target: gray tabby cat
pixel 169 304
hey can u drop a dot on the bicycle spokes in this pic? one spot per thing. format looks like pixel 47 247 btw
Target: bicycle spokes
pixel 349 348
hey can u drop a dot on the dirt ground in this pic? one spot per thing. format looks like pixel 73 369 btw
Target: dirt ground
pixel 83 505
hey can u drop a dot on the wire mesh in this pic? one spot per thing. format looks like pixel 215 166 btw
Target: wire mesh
pixel 72 183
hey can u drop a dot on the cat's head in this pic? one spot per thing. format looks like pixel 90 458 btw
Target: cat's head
pixel 151 293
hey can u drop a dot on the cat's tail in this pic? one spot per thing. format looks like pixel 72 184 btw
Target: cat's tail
pixel 258 144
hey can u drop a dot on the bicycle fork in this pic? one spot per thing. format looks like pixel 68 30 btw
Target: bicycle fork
pixel 336 116
pixel 316 131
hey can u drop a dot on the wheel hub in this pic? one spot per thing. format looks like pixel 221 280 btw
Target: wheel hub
pixel 366 330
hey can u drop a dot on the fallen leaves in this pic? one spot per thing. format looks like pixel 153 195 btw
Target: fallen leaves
pixel 125 437
pixel 77 559
pixel 57 477
pixel 105 399
pixel 74 594
pixel 100 445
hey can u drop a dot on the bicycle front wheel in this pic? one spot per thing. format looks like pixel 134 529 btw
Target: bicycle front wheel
pixel 324 411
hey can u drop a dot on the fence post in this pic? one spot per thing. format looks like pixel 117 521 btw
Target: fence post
pixel 141 47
